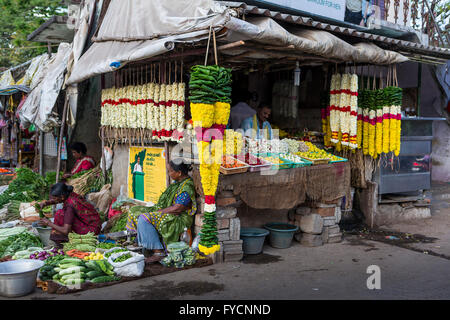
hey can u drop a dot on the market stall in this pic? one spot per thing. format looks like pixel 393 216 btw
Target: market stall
pixel 167 93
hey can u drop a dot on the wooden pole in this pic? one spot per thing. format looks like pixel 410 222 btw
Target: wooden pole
pixel 166 151
pixel 60 138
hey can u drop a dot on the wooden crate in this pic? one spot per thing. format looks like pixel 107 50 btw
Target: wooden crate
pixel 242 169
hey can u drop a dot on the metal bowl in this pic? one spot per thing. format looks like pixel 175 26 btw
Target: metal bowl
pixel 18 277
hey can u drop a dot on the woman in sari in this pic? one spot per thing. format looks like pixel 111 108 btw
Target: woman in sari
pixel 77 215
pixel 165 222
pixel 83 161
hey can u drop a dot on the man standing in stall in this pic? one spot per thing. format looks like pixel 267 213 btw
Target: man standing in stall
pixel 258 126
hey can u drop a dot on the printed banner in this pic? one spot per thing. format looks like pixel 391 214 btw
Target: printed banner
pixel 146 173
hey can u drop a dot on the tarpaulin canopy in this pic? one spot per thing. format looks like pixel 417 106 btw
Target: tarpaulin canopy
pixel 266 31
pixel 45 86
pixel 146 29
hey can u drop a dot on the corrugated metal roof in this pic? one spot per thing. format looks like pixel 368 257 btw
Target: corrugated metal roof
pixel 306 21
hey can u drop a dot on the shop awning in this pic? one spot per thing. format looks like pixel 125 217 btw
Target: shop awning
pixel 299 40
pixel 146 29
pixel 412 50
pixel 154 28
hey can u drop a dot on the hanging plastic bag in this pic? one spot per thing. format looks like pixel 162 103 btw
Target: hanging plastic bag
pixel 108 158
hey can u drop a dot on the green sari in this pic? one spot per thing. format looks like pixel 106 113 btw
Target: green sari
pixel 169 226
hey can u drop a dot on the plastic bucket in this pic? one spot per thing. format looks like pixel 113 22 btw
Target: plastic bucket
pixel 253 240
pixel 44 233
pixel 281 234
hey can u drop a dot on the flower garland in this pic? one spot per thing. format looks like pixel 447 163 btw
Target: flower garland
pixel 372 126
pixel 158 109
pixel 353 113
pixel 366 125
pixel 359 133
pixel 345 109
pixel 210 91
pixel 334 107
pixel 386 129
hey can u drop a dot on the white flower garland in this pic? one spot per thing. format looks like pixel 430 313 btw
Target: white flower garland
pixel 353 115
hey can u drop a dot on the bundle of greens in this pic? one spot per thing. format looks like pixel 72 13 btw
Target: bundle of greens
pixel 83 242
pixel 28 186
pixel 210 84
pixel 18 242
pixel 121 223
pixel 90 180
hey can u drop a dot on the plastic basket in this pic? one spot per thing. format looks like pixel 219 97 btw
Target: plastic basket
pixel 285 165
pixel 304 163
pixel 252 167
pixel 340 160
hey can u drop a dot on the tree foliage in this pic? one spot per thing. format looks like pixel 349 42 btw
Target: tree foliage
pixel 19 18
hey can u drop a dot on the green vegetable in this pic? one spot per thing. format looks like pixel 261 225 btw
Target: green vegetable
pixel 77 269
pixel 28 186
pixel 72 264
pixel 123 257
pixel 74 281
pixel 102 279
pixel 73 276
pixel 69 260
pixel 106 245
pixel 56 277
pixel 18 242
pixel 94 274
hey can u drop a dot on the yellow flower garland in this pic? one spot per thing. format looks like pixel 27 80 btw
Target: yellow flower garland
pixel 202 114
pixel 372 150
pixel 221 113
pixel 398 133
pixel 359 134
pixel 392 129
pixel 210 250
pixel 386 133
pixel 379 132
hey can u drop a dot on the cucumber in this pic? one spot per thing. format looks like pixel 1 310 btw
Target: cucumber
pixel 72 270
pixel 73 276
pixel 94 266
pixel 94 274
pixel 102 279
pixel 70 265
pixel 70 260
pixel 73 281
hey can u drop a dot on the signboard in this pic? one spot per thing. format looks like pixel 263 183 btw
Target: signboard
pixel 146 173
pixel 333 9
pixel 357 12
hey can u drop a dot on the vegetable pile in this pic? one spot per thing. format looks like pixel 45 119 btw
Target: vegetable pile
pixel 45 254
pixel 73 271
pixel 82 242
pixel 25 254
pixel 18 242
pixel 89 181
pixel 106 245
pixel 28 186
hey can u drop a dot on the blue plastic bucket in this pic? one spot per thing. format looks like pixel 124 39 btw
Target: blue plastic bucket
pixel 253 240
pixel 281 234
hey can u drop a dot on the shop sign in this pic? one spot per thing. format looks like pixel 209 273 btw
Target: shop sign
pixel 146 173
pixel 333 9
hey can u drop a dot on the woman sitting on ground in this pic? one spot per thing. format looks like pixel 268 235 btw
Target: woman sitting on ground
pixel 167 219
